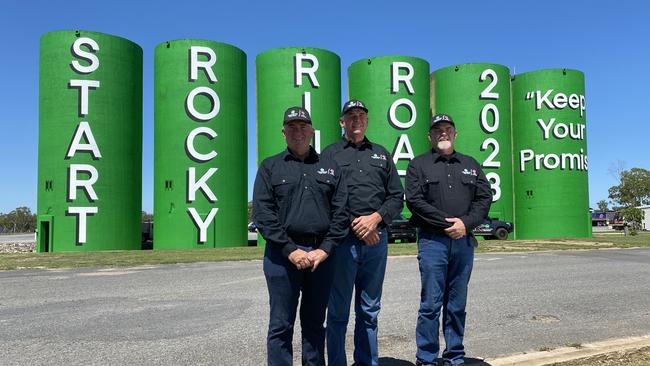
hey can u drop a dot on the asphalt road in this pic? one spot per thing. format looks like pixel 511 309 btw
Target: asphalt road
pixel 216 313
pixel 15 238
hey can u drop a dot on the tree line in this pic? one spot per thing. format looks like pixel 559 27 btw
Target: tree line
pixel 632 191
pixel 20 220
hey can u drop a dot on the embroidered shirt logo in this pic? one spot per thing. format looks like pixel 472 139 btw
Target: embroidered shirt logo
pixel 378 157
pixel 471 172
pixel 323 171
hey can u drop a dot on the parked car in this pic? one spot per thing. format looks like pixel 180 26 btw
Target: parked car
pixel 401 230
pixel 494 229
pixel 147 231
pixel 252 227
pixel 147 235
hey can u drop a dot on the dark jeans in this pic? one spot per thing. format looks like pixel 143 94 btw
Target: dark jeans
pixel 285 283
pixel 445 269
pixel 360 267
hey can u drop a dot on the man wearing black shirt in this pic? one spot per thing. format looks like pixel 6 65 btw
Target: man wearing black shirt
pixel 374 198
pixel 299 207
pixel 448 196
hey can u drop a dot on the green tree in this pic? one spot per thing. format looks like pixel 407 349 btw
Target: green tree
pixel 633 217
pixel 633 189
pixel 20 220
pixel 250 211
pixel 147 217
pixel 3 223
pixel 602 206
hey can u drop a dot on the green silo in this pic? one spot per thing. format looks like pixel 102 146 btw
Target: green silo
pixel 89 143
pixel 297 76
pixel 550 154
pixel 477 97
pixel 396 91
pixel 200 128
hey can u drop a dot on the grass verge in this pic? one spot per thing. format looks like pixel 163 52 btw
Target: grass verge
pixel 137 258
pixel 636 357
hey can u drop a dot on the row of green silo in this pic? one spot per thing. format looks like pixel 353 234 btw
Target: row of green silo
pixel 525 130
pixel 528 133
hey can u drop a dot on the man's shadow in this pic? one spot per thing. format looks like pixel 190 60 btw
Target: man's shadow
pixel 389 361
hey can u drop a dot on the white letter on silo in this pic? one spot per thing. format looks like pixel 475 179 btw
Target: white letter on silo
pixel 88 56
pixel 202 225
pixel 310 71
pixel 85 184
pixel 81 213
pixel 83 130
pixel 195 64
pixel 397 78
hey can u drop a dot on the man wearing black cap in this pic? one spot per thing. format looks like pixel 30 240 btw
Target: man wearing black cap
pixel 374 198
pixel 448 196
pixel 299 207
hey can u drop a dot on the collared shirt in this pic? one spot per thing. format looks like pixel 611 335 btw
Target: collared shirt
pixel 439 187
pixel 295 198
pixel 372 179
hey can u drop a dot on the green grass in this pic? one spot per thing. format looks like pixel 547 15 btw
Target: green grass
pixel 138 258
pixel 125 258
pixel 599 241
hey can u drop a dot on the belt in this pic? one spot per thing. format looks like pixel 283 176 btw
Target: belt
pixel 307 239
pixel 431 230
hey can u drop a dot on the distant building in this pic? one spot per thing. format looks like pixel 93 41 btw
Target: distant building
pixel 645 224
pixel 599 219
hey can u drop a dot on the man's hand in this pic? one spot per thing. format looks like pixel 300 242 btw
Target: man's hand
pixel 300 259
pixel 372 238
pixel 363 225
pixel 457 230
pixel 317 257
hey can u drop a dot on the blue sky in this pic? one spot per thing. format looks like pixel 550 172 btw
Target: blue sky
pixel 609 43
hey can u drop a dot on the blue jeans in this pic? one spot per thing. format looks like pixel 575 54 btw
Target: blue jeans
pixel 285 283
pixel 361 267
pixel 445 269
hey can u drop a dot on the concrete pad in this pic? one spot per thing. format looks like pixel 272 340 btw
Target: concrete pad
pixel 571 353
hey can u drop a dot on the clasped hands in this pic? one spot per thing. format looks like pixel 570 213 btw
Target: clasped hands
pixel 457 230
pixel 365 228
pixel 303 260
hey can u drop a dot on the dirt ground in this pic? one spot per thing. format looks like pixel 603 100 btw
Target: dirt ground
pixel 638 357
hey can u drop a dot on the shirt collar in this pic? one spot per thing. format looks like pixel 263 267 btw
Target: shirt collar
pixel 438 157
pixel 311 157
pixel 348 143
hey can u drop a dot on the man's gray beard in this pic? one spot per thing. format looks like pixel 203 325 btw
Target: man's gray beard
pixel 444 145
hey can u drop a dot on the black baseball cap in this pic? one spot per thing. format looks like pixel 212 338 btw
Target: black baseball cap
pixel 439 118
pixel 353 104
pixel 296 114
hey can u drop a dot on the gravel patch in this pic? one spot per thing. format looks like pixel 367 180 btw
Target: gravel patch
pixel 18 247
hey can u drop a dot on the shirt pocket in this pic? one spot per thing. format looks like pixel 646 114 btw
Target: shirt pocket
pixel 326 184
pixel 469 184
pixel 345 166
pixel 282 185
pixel 431 189
pixel 378 171
pixel 380 165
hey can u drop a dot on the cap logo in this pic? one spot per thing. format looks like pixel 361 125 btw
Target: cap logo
pixel 293 113
pixel 443 117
